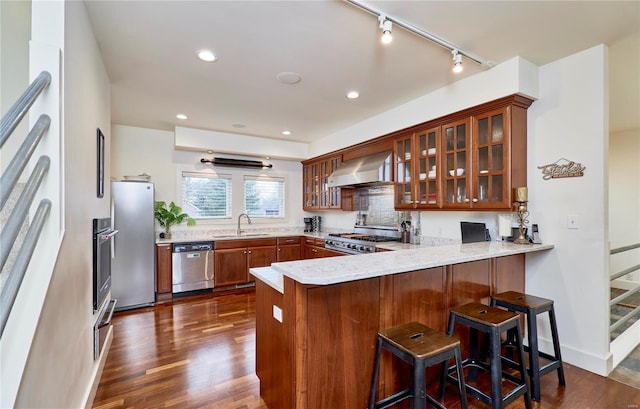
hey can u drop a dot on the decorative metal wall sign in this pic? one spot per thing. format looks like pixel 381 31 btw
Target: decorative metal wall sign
pixel 562 168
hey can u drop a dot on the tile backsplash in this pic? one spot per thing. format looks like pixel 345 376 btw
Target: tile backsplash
pixel 377 204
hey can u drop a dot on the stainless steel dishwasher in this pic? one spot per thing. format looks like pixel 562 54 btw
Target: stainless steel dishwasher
pixel 192 265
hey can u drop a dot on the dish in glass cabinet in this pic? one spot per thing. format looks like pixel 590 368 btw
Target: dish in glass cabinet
pixel 457 172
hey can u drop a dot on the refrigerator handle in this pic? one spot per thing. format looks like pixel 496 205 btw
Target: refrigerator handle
pixel 113 225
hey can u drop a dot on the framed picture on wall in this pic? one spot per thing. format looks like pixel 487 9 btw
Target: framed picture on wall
pixel 100 161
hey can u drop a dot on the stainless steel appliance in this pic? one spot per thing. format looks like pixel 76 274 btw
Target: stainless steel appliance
pixel 363 240
pixel 101 328
pixel 370 170
pixel 133 264
pixel 192 266
pixel 103 235
pixel 316 224
pixel 308 224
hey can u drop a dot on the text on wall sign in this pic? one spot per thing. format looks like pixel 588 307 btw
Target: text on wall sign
pixel 562 168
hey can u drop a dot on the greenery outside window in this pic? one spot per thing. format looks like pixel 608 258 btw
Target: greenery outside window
pixel 264 196
pixel 206 195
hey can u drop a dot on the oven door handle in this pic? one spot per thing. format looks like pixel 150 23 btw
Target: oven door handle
pixel 111 307
pixel 108 235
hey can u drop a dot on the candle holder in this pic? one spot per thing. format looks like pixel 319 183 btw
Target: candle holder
pixel 523 218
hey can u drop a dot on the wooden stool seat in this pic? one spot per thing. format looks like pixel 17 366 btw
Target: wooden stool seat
pixel 525 301
pixel 419 346
pixel 531 306
pixel 493 322
pixel 484 314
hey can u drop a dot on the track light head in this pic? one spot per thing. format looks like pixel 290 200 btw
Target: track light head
pixel 457 61
pixel 385 26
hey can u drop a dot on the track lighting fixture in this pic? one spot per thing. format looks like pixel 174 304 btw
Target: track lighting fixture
pixel 457 61
pixel 385 23
pixel 385 26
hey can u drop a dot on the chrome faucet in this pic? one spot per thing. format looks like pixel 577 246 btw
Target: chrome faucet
pixel 238 231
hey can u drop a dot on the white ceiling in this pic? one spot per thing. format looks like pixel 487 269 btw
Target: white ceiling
pixel 149 51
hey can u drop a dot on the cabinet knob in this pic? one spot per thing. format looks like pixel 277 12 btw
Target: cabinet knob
pixel 249 251
pixel 279 249
pixel 244 252
pixel 474 200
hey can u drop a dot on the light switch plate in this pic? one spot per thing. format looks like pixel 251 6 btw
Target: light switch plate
pixel 572 222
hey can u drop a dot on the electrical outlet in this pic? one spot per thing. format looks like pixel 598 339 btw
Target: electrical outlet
pixel 277 313
pixel 572 222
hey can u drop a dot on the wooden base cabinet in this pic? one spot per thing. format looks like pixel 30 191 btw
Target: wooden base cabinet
pixel 289 249
pixel 163 271
pixel 321 354
pixel 314 248
pixel 234 258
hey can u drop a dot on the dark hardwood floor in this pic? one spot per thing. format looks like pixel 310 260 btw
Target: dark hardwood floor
pixel 199 352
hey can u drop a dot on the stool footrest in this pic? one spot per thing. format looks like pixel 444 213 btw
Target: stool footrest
pixel 550 367
pixel 393 399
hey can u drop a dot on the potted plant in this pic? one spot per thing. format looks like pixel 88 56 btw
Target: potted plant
pixel 168 216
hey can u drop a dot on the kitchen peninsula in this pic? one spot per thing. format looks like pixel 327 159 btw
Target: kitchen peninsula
pixel 317 320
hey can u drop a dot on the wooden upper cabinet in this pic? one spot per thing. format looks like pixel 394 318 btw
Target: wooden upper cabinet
pixel 416 168
pixel 491 154
pixel 456 155
pixel 472 159
pixel 316 192
pixel 469 160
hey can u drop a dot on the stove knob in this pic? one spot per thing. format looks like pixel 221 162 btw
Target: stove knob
pixel 352 246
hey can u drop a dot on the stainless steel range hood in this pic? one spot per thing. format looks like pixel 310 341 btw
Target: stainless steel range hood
pixel 368 170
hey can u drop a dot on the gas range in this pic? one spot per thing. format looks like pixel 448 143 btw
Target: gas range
pixel 363 240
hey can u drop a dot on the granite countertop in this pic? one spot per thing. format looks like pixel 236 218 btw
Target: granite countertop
pixel 216 236
pixel 333 270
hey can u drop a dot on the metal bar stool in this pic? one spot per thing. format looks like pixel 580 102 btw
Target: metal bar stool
pixel 532 306
pixel 493 322
pixel 419 346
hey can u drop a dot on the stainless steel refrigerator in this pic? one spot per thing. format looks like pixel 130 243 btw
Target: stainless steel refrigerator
pixel 133 254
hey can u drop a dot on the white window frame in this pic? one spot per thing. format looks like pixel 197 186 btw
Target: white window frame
pixel 283 195
pixel 207 175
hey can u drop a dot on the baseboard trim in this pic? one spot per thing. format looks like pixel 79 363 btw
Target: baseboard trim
pixel 597 364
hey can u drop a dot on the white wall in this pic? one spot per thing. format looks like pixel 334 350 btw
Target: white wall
pixel 141 150
pixel 513 76
pixel 570 120
pixel 60 368
pixel 15 32
pixel 624 198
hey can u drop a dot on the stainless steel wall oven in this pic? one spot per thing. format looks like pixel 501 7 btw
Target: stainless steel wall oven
pixel 102 239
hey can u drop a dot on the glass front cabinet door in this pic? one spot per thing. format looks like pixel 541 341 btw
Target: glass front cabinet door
pixel 457 149
pixel 403 154
pixel 491 150
pixel 427 144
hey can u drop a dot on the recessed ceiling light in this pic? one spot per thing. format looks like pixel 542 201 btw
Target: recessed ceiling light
pixel 181 116
pixel 289 77
pixel 206 56
pixel 238 125
pixel 353 94
pixel 209 151
pixel 286 132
